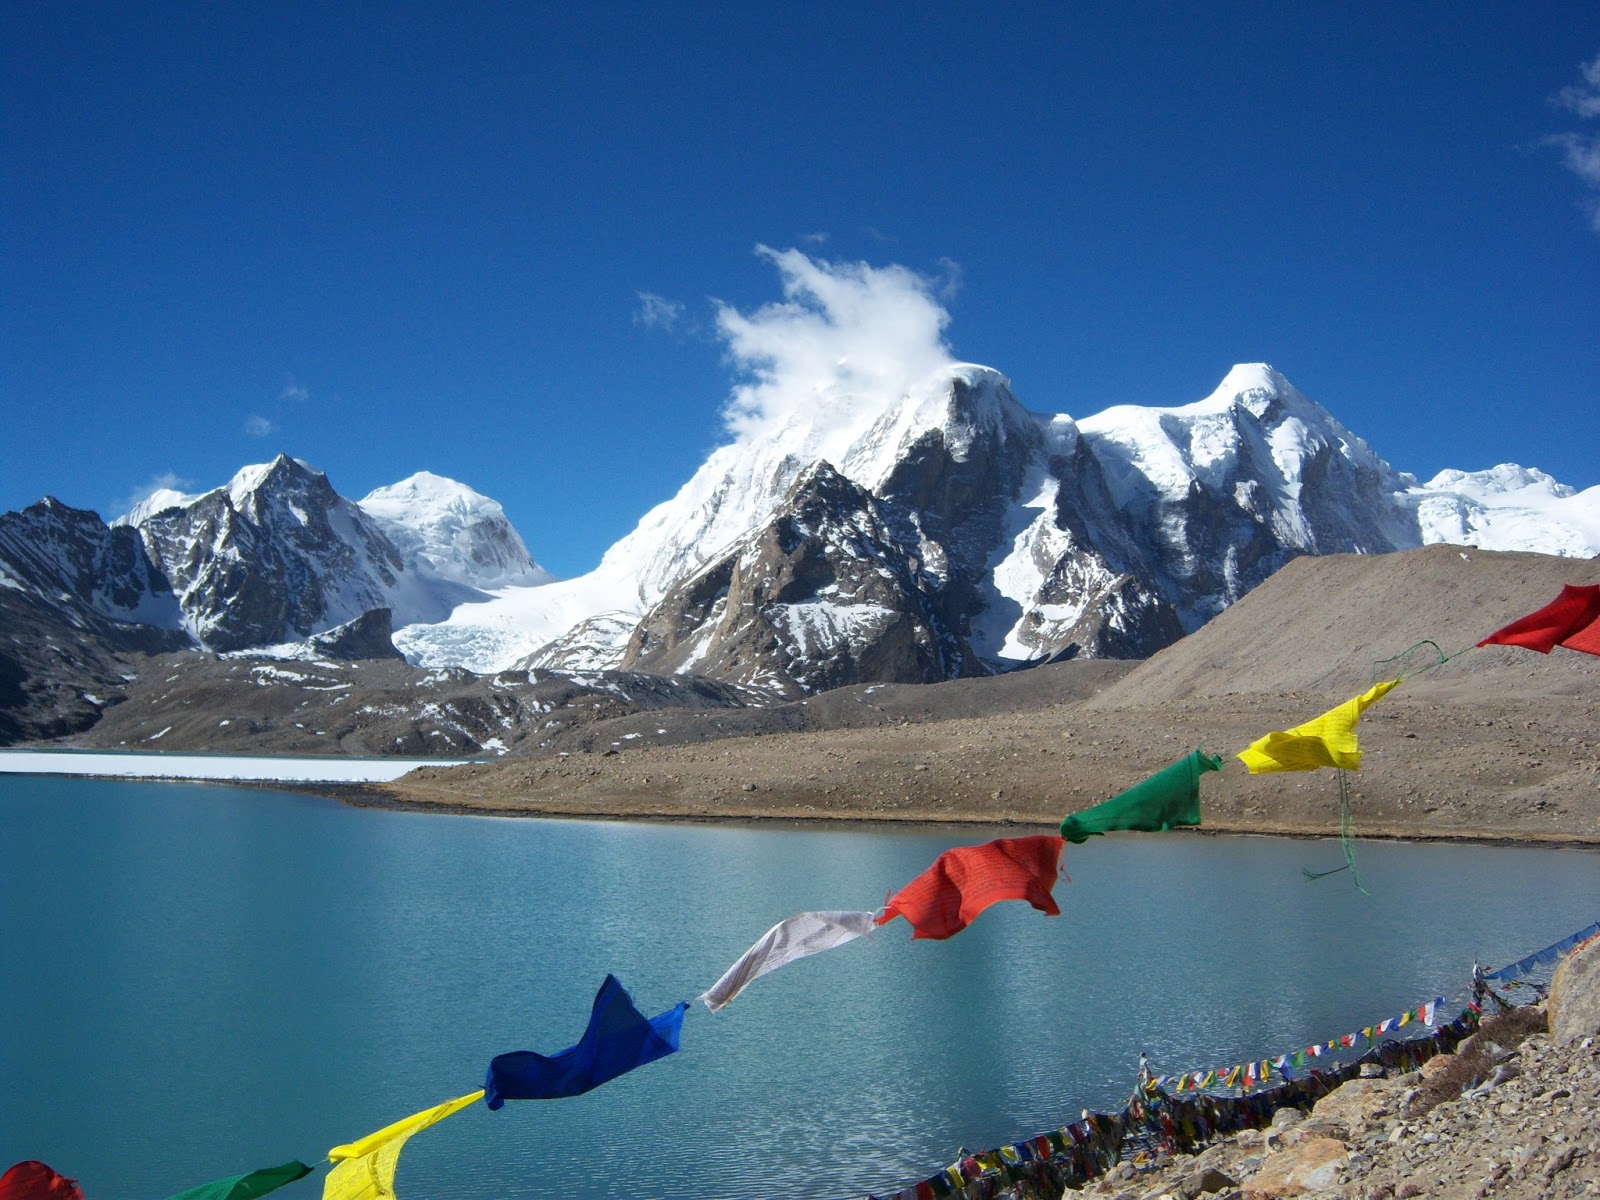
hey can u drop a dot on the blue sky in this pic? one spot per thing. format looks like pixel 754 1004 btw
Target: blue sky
pixel 490 240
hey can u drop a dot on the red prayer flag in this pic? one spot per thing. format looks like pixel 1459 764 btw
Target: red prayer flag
pixel 32 1180
pixel 962 882
pixel 1572 620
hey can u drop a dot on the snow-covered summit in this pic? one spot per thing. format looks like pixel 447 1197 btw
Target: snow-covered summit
pixel 276 554
pixel 1508 507
pixel 1116 531
pixel 866 434
pixel 157 501
pixel 457 533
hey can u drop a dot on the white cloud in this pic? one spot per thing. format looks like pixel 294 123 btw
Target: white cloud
pixel 819 238
pixel 293 393
pixel 848 340
pixel 657 312
pixel 258 426
pixel 1583 98
pixel 1581 151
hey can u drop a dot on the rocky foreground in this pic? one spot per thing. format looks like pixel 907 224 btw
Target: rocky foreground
pixel 1514 1114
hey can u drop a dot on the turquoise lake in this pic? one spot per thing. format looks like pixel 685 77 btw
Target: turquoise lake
pixel 196 981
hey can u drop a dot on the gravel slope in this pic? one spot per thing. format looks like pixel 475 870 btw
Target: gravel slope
pixel 1495 743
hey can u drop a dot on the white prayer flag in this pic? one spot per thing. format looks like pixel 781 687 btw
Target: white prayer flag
pixel 794 937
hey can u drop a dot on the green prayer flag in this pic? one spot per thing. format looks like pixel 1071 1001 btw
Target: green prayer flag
pixel 1168 798
pixel 247 1187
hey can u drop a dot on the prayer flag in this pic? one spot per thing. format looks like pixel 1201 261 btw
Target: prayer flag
pixel 247 1187
pixel 1325 741
pixel 618 1039
pixel 792 938
pixel 964 881
pixel 32 1180
pixel 1572 620
pixel 364 1169
pixel 1169 798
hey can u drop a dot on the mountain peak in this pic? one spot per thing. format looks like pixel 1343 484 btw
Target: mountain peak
pixel 157 501
pixel 1254 377
pixel 281 472
pixel 457 533
pixel 437 492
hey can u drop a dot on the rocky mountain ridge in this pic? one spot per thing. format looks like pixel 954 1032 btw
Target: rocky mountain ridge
pixel 1033 536
pixel 944 533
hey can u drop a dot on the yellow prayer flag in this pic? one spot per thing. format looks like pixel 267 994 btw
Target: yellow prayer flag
pixel 365 1169
pixel 1325 741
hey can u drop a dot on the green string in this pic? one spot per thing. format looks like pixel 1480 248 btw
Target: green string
pixel 1347 840
pixel 1402 666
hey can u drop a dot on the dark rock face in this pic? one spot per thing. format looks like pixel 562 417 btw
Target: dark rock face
pixel 950 491
pixel 367 637
pixel 55 676
pixel 76 600
pixel 279 561
pixel 821 596
pixel 70 558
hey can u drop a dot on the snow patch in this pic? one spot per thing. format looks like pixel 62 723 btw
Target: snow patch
pixel 152 765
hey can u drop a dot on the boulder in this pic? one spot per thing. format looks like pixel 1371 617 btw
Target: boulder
pixel 1205 1182
pixel 1352 1107
pixel 1309 1166
pixel 1574 1011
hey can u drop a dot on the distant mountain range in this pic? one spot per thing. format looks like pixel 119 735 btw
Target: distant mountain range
pixel 942 533
pixel 951 532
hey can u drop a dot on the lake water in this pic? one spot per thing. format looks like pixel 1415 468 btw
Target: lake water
pixel 197 980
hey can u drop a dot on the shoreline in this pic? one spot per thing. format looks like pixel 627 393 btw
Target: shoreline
pixel 382 796
pixel 389 797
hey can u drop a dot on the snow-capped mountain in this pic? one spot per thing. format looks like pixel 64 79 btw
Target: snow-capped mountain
pixel 1509 508
pixel 70 558
pixel 738 487
pixel 917 531
pixel 1015 536
pixel 157 501
pixel 821 595
pixel 276 555
pixel 453 532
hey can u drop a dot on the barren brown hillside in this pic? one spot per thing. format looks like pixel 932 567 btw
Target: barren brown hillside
pixel 1495 743
pixel 1325 625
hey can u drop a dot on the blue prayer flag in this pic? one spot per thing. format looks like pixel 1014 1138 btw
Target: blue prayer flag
pixel 1543 957
pixel 619 1038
